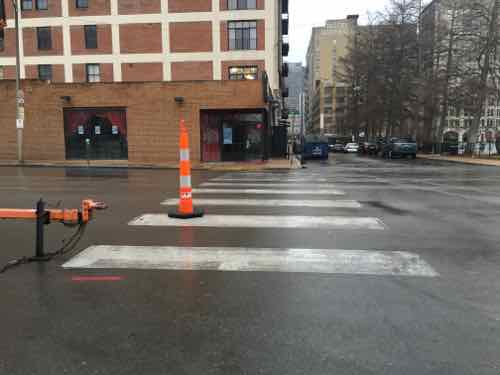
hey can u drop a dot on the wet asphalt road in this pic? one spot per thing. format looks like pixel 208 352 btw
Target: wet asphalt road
pixel 206 322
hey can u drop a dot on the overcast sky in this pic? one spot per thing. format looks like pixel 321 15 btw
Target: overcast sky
pixel 304 14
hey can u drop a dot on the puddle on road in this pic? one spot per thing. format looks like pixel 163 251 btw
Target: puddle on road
pixel 390 209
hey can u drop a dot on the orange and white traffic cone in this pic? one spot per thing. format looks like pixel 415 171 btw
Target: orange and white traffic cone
pixel 186 210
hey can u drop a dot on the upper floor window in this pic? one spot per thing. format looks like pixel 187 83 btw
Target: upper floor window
pixel 93 72
pixel 243 72
pixel 241 4
pixel 82 3
pixel 90 36
pixel 45 72
pixel 44 38
pixel 27 5
pixel 242 35
pixel 42 4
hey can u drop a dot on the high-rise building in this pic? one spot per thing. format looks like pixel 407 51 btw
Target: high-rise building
pixel 326 90
pixel 295 84
pixel 144 40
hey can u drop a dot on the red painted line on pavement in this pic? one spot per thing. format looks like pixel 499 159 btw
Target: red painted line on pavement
pixel 96 278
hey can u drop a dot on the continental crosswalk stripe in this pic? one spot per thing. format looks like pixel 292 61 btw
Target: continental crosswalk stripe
pixel 262 221
pixel 354 262
pixel 269 203
pixel 269 191
pixel 266 179
pixel 264 185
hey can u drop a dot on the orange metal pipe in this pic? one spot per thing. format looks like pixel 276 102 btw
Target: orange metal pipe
pixel 11 213
pixel 66 216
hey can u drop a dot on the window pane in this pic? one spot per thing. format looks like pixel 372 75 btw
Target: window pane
pixel 82 3
pixel 243 72
pixel 42 4
pixel 44 38
pixel 244 35
pixel 251 4
pixel 27 5
pixel 2 40
pixel 93 73
pixel 232 4
pixel 90 36
pixel 45 72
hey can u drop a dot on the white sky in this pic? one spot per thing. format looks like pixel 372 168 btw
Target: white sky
pixel 304 14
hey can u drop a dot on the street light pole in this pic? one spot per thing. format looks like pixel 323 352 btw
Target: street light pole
pixel 19 94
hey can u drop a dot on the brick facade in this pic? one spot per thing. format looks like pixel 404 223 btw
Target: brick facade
pixel 96 8
pixel 8 142
pixel 140 38
pixel 191 36
pixel 142 72
pixel 9 43
pixel 225 65
pixel 80 73
pixel 192 71
pixel 183 6
pixel 104 43
pixel 9 72
pixel 152 114
pixel 261 35
pixel 9 10
pixel 139 6
pixel 54 10
pixel 57 72
pixel 30 42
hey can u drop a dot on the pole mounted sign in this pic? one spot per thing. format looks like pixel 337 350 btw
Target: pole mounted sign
pixel 20 110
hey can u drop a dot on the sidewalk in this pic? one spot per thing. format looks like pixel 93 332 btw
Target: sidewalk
pixel 462 159
pixel 273 164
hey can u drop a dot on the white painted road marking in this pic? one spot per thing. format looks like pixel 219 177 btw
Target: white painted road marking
pixel 266 179
pixel 268 185
pixel 357 262
pixel 270 191
pixel 265 221
pixel 269 203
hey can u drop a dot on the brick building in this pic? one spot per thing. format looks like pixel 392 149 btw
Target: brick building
pixel 124 41
pixel 136 122
pixel 144 40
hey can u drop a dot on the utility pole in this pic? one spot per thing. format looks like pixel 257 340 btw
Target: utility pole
pixel 19 93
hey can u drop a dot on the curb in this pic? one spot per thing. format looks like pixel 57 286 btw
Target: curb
pixel 218 168
pixel 478 162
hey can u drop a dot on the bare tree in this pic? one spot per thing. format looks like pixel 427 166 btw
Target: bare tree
pixel 382 67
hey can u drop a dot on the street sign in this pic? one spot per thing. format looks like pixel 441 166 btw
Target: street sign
pixel 20 123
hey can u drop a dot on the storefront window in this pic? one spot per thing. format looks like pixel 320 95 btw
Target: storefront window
pixel 96 134
pixel 232 135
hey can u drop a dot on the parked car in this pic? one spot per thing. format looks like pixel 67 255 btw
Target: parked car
pixel 368 148
pixel 351 148
pixel 400 147
pixel 337 147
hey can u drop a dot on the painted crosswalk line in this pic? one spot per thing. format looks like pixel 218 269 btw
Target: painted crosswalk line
pixel 357 262
pixel 301 186
pixel 263 221
pixel 270 191
pixel 268 179
pixel 270 203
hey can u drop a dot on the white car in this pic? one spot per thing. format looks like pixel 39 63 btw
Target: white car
pixel 351 148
